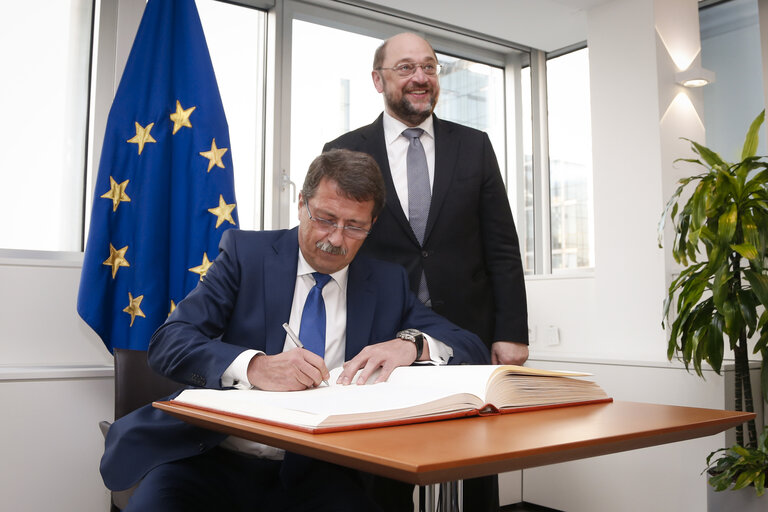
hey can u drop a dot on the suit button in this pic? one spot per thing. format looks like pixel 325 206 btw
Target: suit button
pixel 425 253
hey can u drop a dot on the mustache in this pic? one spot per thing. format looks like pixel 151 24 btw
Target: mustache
pixel 326 246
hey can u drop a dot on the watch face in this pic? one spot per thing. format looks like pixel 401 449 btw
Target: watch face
pixel 409 334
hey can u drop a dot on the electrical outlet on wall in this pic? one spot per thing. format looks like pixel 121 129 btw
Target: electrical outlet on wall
pixel 553 335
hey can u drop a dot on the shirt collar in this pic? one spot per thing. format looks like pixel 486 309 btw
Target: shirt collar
pixel 393 128
pixel 304 268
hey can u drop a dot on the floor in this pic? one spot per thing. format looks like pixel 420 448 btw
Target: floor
pixel 526 507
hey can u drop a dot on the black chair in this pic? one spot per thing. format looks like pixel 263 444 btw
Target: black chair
pixel 136 385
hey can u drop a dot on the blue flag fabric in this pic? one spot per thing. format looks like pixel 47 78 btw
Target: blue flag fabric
pixel 165 187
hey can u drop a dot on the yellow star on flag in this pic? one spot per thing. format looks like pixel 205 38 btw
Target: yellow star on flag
pixel 142 136
pixel 134 307
pixel 173 307
pixel 202 269
pixel 223 212
pixel 116 259
pixel 116 193
pixel 181 117
pixel 214 156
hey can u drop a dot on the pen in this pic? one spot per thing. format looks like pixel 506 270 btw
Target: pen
pixel 296 341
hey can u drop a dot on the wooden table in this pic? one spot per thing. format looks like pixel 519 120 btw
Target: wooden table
pixel 442 451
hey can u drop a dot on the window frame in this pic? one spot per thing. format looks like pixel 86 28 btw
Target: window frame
pixel 545 230
pixel 381 23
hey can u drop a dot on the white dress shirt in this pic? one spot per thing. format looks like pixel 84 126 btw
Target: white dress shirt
pixel 335 298
pixel 397 151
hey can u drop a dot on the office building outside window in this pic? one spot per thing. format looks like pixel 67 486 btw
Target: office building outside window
pixel 570 161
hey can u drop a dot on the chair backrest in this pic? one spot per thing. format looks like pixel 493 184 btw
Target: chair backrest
pixel 136 384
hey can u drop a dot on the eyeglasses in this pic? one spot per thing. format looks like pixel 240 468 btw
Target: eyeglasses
pixel 409 68
pixel 329 227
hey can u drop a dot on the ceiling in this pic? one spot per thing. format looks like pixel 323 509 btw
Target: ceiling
pixel 547 25
pixel 543 24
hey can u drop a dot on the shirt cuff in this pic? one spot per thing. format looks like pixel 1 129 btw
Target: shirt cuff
pixel 236 374
pixel 439 352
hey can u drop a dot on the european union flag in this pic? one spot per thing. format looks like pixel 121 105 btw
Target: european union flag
pixel 165 188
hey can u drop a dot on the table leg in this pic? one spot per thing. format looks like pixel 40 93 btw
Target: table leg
pixel 451 496
pixel 429 499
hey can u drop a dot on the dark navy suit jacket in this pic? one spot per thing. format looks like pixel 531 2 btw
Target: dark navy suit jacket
pixel 471 254
pixel 242 303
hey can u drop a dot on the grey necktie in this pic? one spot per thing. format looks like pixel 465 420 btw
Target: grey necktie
pixel 419 195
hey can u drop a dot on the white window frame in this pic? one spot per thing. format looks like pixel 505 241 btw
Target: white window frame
pixel 381 23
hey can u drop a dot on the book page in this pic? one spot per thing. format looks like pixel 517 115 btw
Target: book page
pixel 511 390
pixel 351 404
pixel 445 380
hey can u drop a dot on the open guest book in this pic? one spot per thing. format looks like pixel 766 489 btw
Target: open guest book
pixel 412 394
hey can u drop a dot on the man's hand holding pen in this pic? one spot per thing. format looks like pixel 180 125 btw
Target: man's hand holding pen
pixel 292 370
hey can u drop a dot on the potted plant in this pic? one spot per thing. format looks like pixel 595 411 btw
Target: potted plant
pixel 721 295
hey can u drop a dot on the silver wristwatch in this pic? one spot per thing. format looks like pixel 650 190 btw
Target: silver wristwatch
pixel 415 336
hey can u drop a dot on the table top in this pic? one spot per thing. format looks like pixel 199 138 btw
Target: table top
pixel 440 451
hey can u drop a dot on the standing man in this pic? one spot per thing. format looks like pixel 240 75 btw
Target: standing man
pixel 447 218
pixel 227 332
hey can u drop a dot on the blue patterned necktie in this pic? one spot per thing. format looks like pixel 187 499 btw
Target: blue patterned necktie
pixel 419 195
pixel 312 328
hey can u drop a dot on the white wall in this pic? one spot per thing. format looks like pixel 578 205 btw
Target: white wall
pixel 616 312
pixel 54 373
pixel 664 478
pixel 55 386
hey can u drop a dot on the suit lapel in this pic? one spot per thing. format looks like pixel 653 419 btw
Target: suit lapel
pixel 279 282
pixel 361 305
pixel 446 157
pixel 377 148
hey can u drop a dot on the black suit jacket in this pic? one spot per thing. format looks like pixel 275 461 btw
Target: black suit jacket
pixel 471 254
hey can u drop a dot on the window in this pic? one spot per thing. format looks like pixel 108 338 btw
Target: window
pixel 327 99
pixel 44 102
pixel 42 193
pixel 236 42
pixel 341 98
pixel 472 94
pixel 570 161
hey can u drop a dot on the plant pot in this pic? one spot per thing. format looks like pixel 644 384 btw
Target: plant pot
pixel 743 500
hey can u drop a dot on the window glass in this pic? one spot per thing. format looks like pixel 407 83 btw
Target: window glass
pixel 43 190
pixel 338 99
pixel 44 101
pixel 570 161
pixel 235 37
pixel 472 94
pixel 527 231
pixel 327 100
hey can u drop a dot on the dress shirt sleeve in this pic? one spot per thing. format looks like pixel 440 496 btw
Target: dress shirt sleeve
pixel 236 374
pixel 439 352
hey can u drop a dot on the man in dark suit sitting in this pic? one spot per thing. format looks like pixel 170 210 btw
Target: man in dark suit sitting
pixel 227 333
pixel 447 218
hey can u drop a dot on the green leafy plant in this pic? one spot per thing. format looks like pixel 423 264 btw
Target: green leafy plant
pixel 739 466
pixel 721 239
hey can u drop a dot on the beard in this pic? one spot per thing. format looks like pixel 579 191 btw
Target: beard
pixel 407 112
pixel 326 246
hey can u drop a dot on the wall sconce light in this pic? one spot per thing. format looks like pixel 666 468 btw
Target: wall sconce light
pixel 695 77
